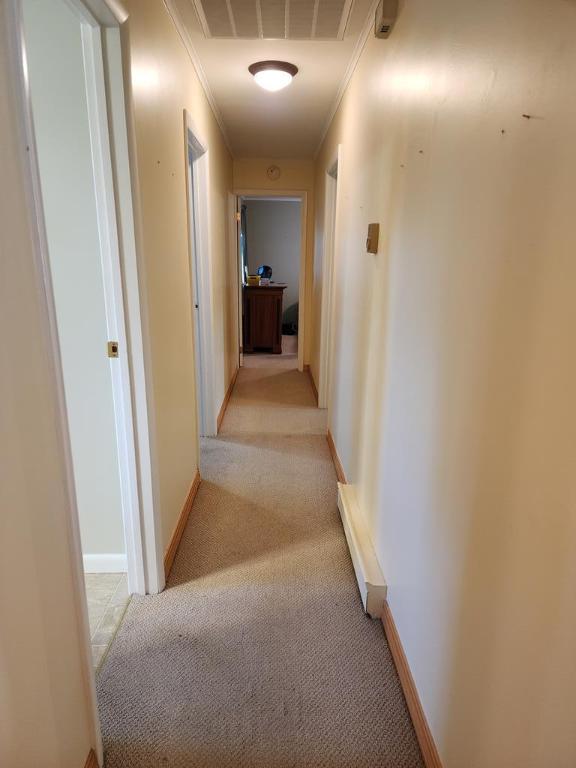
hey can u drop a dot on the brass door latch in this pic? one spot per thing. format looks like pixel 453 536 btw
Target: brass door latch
pixel 112 349
pixel 372 239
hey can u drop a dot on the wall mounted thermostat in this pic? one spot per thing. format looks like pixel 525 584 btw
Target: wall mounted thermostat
pixel 372 239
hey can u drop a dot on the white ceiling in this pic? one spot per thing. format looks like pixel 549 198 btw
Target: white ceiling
pixel 289 123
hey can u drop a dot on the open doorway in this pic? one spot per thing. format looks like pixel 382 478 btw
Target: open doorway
pixel 328 252
pixel 198 195
pixel 270 256
pixel 76 205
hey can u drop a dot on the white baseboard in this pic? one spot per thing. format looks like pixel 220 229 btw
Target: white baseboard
pixel 105 563
pixel 368 572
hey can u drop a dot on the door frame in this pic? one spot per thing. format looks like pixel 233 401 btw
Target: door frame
pixel 302 196
pixel 113 295
pixel 328 254
pixel 234 223
pixel 198 223
pixel 133 268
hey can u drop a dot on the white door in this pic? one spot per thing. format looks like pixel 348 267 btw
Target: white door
pixel 70 126
pixel 199 351
pixel 198 189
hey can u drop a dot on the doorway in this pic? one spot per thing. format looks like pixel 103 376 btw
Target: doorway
pixel 326 320
pixel 271 238
pixel 76 206
pixel 198 197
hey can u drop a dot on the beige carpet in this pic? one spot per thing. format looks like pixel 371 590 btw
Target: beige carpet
pixel 258 655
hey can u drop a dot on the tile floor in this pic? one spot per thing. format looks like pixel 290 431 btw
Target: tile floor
pixel 108 598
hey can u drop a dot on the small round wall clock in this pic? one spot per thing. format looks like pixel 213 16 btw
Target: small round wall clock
pixel 273 172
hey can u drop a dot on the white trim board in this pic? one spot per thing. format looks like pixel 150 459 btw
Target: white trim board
pixel 200 254
pixel 128 213
pixel 112 563
pixel 98 115
pixel 328 260
pixel 369 576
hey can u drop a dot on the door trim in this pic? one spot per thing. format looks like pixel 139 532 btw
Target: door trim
pixel 234 227
pixel 114 300
pixel 328 260
pixel 128 212
pixel 199 251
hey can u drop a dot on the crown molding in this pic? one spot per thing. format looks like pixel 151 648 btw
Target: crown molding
pixel 350 69
pixel 180 27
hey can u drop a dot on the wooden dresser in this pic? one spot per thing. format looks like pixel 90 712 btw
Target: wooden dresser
pixel 262 317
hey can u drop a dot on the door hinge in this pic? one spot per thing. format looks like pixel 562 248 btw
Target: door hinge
pixel 112 349
pixel 238 216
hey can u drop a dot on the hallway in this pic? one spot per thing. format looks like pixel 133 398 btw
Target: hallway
pixel 258 653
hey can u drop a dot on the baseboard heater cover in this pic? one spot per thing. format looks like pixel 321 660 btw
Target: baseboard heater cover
pixel 368 572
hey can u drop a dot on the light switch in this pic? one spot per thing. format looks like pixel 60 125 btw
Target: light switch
pixel 372 239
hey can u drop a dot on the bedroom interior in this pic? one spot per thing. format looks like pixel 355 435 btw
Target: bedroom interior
pixel 269 248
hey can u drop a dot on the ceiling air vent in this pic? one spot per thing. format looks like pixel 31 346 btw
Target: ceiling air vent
pixel 274 19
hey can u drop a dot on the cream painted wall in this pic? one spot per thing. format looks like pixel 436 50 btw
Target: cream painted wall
pixel 164 84
pixel 296 176
pixel 45 715
pixel 453 386
pixel 57 83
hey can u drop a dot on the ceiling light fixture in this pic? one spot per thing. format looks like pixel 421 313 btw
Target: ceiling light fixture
pixel 273 75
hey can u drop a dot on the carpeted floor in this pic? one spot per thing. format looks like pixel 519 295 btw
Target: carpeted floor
pixel 258 654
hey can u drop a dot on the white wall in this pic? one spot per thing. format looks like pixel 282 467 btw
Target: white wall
pixel 57 84
pixel 45 710
pixel 454 376
pixel 273 237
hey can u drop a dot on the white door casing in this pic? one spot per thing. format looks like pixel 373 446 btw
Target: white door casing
pixel 114 301
pixel 198 195
pixel 328 253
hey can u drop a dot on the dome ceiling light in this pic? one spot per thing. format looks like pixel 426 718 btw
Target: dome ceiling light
pixel 273 75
